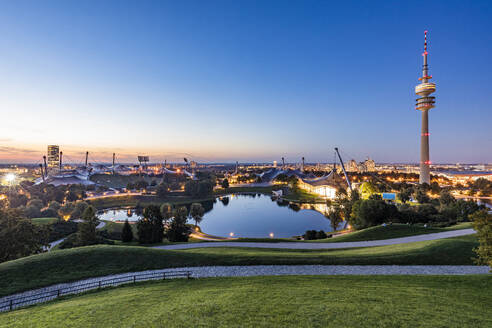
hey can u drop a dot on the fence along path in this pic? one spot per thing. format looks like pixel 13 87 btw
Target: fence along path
pixel 9 304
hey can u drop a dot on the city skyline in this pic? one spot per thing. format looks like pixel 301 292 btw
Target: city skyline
pixel 255 83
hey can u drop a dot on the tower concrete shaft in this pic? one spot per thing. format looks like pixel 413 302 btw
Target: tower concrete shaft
pixel 424 149
pixel 424 103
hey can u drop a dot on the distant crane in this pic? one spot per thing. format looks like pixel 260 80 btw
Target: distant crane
pixel 343 168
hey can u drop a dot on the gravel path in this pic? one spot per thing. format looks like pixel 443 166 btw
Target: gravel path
pixel 278 270
pixel 304 245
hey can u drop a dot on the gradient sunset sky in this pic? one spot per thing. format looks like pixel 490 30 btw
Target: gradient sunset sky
pixel 243 80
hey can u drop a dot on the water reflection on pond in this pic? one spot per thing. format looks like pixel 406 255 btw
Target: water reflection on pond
pixel 252 215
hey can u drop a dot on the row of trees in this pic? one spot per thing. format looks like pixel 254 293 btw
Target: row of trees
pixel 26 191
pixel 199 188
pixel 162 222
pixel 444 211
pixel 362 213
pixel 19 237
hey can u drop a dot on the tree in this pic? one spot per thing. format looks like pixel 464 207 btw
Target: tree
pixel 141 184
pixel 66 210
pixel 78 210
pixel 366 213
pixel 18 236
pixel 144 231
pixel 166 212
pixel 178 230
pixel 198 188
pixel 367 189
pixel 435 188
pixel 375 197
pixel 446 199
pixel 86 234
pixel 464 209
pixel 482 223
pixel 421 196
pixel 196 212
pixel 54 205
pixel 153 214
pixel 335 216
pixel 126 232
pixel 225 184
pixel 33 208
pixel 162 190
pixel 404 195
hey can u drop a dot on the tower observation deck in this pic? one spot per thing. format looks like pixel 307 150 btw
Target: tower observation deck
pixel 424 103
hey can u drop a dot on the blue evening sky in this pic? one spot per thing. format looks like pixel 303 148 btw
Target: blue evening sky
pixel 243 80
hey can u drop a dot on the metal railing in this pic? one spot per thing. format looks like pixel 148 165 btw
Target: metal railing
pixel 15 303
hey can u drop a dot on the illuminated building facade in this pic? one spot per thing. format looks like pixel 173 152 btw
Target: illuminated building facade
pixel 53 156
pixel 325 186
pixel 424 103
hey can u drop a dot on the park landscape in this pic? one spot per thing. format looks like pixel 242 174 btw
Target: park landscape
pixel 255 281
pixel 245 164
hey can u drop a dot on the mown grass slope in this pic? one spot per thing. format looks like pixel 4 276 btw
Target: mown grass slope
pixel 288 301
pixel 73 264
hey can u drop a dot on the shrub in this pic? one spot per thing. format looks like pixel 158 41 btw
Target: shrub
pixel 482 223
pixel 310 235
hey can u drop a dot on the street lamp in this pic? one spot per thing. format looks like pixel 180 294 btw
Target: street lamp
pixel 10 178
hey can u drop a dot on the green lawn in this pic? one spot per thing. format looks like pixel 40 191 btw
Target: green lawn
pixel 44 221
pixel 372 233
pixel 393 231
pixel 78 263
pixel 287 301
pixel 303 196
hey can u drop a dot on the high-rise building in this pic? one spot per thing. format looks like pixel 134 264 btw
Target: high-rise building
pixel 53 156
pixel 424 103
pixel 352 166
pixel 370 165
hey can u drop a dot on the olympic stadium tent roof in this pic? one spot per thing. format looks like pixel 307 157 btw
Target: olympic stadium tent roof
pixel 332 179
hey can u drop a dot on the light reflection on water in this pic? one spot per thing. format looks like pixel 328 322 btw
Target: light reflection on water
pixel 250 216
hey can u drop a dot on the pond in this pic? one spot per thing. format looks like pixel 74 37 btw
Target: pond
pixel 254 216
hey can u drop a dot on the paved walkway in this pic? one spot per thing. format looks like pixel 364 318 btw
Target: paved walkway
pixel 276 270
pixel 305 245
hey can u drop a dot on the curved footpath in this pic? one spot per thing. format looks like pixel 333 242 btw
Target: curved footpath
pixel 304 245
pixel 273 270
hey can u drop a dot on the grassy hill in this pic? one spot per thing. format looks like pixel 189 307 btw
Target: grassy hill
pixel 78 263
pixel 44 221
pixel 392 231
pixel 288 301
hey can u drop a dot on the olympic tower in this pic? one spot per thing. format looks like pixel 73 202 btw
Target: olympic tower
pixel 424 103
